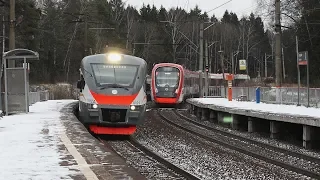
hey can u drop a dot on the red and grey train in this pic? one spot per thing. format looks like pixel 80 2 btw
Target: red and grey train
pixel 172 83
pixel 112 98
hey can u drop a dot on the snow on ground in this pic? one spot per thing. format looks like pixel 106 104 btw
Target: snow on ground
pixel 268 108
pixel 29 145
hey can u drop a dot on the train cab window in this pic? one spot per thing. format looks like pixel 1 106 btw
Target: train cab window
pixel 124 75
pixel 167 77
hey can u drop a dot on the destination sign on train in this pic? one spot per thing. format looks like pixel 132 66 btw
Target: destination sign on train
pixel 112 66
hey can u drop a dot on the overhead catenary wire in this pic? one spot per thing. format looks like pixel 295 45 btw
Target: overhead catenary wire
pixel 219 6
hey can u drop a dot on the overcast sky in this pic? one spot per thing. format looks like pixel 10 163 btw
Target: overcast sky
pixel 240 7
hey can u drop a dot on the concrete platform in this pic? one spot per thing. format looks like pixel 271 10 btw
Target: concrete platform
pixel 285 113
pixel 308 118
pixel 50 143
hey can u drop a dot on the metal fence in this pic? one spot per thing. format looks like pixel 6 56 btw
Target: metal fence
pixel 38 96
pixel 34 97
pixel 283 95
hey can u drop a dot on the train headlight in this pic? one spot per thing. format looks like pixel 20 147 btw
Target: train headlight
pixel 94 106
pixel 114 57
pixel 133 108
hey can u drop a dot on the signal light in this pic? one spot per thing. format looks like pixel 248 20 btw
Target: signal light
pixel 207 68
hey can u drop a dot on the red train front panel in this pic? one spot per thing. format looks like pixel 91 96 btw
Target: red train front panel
pixel 167 83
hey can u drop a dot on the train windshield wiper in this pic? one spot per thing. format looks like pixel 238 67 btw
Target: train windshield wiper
pixel 114 86
pixel 88 72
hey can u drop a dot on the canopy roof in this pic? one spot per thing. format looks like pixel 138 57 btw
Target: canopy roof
pixel 20 54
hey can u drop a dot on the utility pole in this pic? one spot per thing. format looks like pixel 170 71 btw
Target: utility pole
pixel 201 59
pixel 222 62
pixel 85 35
pixel 12 30
pixel 86 22
pixel 3 50
pixel 215 60
pixel 283 67
pixel 222 69
pixel 173 42
pixel 265 66
pixel 206 84
pixel 298 68
pixel 201 48
pixel 232 63
pixel 206 52
pixel 3 34
pixel 278 43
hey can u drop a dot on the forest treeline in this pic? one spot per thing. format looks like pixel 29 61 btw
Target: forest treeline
pixel 56 29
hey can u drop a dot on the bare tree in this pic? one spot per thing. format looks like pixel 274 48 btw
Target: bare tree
pixel 175 19
pixel 290 10
pixel 66 62
pixel 118 12
pixel 130 17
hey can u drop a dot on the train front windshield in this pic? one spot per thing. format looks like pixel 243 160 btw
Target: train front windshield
pixel 122 75
pixel 167 77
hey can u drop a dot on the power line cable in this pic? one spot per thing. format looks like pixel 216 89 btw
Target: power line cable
pixel 219 6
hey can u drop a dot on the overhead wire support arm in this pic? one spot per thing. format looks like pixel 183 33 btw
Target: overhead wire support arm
pixel 188 39
pixel 180 32
pixel 211 24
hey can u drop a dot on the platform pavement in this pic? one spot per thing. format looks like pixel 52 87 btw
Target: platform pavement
pixel 276 112
pixel 216 108
pixel 50 143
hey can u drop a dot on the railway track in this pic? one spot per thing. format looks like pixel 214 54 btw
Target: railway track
pixel 267 153
pixel 275 148
pixel 146 156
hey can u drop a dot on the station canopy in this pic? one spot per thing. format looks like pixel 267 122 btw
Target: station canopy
pixel 20 54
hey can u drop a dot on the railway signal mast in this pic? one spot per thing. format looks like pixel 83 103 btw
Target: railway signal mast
pixel 12 36
pixel 278 48
pixel 278 43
